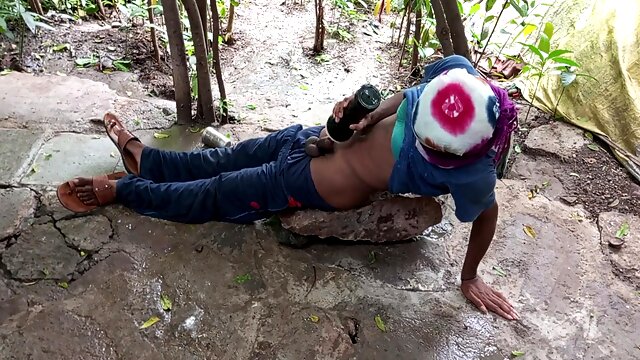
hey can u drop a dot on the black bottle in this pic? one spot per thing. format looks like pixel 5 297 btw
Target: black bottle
pixel 366 100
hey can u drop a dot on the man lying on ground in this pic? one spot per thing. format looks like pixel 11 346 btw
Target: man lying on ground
pixel 443 136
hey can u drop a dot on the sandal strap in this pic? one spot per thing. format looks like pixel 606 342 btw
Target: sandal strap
pixel 124 136
pixel 102 189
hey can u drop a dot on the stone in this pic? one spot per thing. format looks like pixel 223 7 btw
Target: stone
pixel 389 219
pixel 557 139
pixel 19 144
pixel 625 252
pixel 17 206
pixel 88 233
pixel 569 199
pixel 70 155
pixel 540 173
pixel 40 253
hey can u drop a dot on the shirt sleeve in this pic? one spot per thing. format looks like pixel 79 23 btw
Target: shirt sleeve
pixel 472 198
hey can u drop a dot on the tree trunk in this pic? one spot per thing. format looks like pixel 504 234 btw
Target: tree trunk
pixel 154 38
pixel 318 40
pixel 407 31
pixel 205 99
pixel 458 38
pixel 36 7
pixel 202 9
pixel 404 14
pixel 442 29
pixel 101 10
pixel 228 36
pixel 215 29
pixel 417 35
pixel 178 61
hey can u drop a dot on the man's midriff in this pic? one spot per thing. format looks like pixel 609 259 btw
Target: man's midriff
pixel 357 169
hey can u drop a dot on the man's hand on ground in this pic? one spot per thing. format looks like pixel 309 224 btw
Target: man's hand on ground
pixel 485 298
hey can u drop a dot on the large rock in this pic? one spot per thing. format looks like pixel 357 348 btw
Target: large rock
pixel 557 138
pixel 16 206
pixel 87 233
pixel 40 253
pixel 625 253
pixel 390 219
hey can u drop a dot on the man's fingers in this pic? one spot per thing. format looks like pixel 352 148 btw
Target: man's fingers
pixel 476 301
pixel 491 305
pixel 505 306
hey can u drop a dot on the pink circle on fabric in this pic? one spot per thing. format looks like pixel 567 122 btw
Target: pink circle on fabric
pixel 453 109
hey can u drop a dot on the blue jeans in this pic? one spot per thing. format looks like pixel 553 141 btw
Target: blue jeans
pixel 450 62
pixel 250 181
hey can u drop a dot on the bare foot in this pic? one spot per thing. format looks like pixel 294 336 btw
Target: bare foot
pixel 86 194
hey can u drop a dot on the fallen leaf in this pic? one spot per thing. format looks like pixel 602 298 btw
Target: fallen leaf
pixel 5 72
pixel 47 156
pixel 623 231
pixel 574 174
pixel 251 107
pixel 577 216
pixel 304 87
pixel 137 122
pixel 161 135
pixel 82 253
pixel 60 47
pixel 588 135
pixel 241 279
pixel 517 148
pixel 380 324
pixel 546 184
pixel 166 302
pixel 31 283
pixel 531 194
pixel 593 147
pixel 63 284
pixel 95 137
pixel 129 93
pixel 111 48
pixel 372 257
pixel 614 203
pixel 228 135
pixel 314 318
pixel 499 271
pixel 34 169
pixel 152 320
pixel 45 272
pixel 194 130
pixel 529 231
pixel 517 353
pixel 317 123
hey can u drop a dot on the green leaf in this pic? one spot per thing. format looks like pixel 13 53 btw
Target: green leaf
pixel 544 44
pixel 519 9
pixel 82 253
pixel 460 8
pixel 241 279
pixel 488 19
pixel 63 284
pixel 380 324
pixel 314 318
pixel 47 156
pixel 474 9
pixel 593 147
pixel 84 62
pixel 588 76
pixel 122 65
pixel 165 302
pixel 548 30
pixel 567 78
pixel 372 257
pixel 498 270
pixel 517 353
pixel 161 135
pixel 517 148
pixel 566 61
pixel 534 50
pixel 489 5
pixel 559 52
pixel 588 135
pixel 152 320
pixel 304 87
pixel 137 122
pixel 235 2
pixel 623 231
pixel 60 47
pixel 29 20
pixel 251 107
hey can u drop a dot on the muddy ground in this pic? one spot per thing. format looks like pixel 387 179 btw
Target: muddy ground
pixel 236 292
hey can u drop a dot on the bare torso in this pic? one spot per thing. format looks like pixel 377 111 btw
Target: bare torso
pixel 357 169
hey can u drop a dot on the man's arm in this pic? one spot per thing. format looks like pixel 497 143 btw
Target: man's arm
pixel 473 287
pixel 387 108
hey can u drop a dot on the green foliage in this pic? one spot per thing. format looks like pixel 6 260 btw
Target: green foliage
pixel 15 13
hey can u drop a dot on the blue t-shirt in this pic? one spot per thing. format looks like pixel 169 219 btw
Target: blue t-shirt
pixel 471 186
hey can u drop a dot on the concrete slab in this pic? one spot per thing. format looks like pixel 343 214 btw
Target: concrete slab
pixel 69 155
pixel 18 206
pixel 16 147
